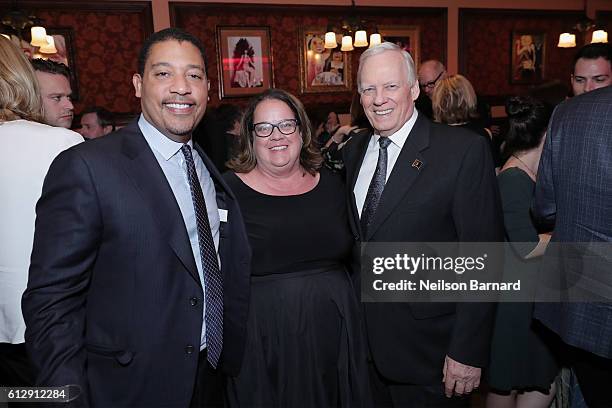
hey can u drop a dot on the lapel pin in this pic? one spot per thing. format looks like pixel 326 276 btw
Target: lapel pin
pixel 417 164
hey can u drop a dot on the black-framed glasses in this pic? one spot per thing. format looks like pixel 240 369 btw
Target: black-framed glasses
pixel 265 129
pixel 431 84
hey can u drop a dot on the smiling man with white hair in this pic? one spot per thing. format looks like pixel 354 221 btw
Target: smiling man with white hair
pixel 412 180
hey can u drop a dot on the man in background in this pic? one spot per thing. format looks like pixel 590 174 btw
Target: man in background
pixel 96 122
pixel 573 194
pixel 54 80
pixel 592 68
pixel 430 72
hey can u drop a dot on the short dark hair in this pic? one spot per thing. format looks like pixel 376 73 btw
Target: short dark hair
pixel 51 67
pixel 594 51
pixel 245 160
pixel 527 122
pixel 168 34
pixel 105 117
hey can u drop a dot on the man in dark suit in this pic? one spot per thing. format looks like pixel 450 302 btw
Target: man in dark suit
pixel 437 185
pixel 138 286
pixel 573 194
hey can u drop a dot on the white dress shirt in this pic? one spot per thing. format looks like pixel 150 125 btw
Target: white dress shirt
pixel 172 162
pixel 368 166
pixel 28 148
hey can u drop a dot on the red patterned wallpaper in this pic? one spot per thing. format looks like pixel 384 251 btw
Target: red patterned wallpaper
pixel 107 36
pixel 486 48
pixel 284 23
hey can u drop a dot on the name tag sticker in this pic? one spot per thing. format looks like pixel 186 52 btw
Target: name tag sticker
pixel 222 215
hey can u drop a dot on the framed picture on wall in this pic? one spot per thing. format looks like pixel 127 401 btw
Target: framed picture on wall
pixel 407 37
pixel 322 69
pixel 528 57
pixel 64 44
pixel 244 59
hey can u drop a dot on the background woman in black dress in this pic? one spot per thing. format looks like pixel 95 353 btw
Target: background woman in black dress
pixel 522 367
pixel 304 342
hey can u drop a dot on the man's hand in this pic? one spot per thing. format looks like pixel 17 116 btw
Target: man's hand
pixel 459 379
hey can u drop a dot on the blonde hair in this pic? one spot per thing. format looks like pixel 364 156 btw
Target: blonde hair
pixel 454 100
pixel 19 90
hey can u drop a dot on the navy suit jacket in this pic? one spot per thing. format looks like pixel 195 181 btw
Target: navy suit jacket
pixel 114 300
pixel 452 196
pixel 574 194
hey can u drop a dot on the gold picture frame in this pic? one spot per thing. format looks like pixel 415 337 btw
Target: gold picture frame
pixel 244 60
pixel 321 69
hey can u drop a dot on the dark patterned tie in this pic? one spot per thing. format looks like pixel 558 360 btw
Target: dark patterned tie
pixel 377 185
pixel 213 281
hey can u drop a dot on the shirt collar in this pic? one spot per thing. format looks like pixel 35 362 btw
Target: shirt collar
pixel 165 146
pixel 400 137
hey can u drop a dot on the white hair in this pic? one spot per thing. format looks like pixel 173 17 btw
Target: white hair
pixel 384 47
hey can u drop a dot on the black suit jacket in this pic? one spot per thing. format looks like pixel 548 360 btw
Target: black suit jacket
pixel 114 300
pixel 452 197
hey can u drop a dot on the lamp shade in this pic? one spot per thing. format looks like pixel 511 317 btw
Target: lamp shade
pixel 39 36
pixel 599 36
pixel 7 36
pixel 49 48
pixel 361 39
pixel 567 40
pixel 330 40
pixel 347 43
pixel 375 39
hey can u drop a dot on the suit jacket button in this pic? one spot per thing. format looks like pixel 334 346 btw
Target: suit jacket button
pixel 193 301
pixel 189 349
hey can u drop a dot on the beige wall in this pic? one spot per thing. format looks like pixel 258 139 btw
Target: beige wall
pixel 161 14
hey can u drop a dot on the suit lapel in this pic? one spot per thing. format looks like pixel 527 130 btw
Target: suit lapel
pixel 405 172
pixel 354 158
pixel 147 176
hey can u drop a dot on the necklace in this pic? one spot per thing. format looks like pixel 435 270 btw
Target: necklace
pixel 531 173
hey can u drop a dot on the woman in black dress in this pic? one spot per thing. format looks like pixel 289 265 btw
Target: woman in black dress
pixel 304 342
pixel 522 367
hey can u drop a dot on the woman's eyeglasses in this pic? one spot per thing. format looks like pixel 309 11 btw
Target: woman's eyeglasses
pixel 265 129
